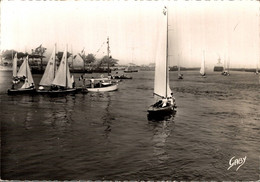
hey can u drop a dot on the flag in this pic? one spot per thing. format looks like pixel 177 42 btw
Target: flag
pixel 40 50
pixel 164 10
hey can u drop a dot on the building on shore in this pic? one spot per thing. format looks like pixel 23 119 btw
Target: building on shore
pixel 219 66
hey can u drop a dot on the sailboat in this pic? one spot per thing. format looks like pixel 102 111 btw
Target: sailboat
pixel 162 91
pixel 16 80
pixel 62 82
pixel 180 75
pixel 102 84
pixel 202 68
pixel 49 73
pixel 226 69
pixel 24 72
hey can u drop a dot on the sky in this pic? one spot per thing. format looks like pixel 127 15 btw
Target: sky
pixel 197 30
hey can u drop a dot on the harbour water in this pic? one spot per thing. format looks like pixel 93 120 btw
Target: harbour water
pixel 107 136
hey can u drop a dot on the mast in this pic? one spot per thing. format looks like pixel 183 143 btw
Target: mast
pixel 72 60
pixel 66 85
pixel 26 67
pixel 54 60
pixel 108 55
pixel 167 69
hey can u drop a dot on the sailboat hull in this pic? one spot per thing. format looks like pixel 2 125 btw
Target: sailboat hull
pixel 21 91
pixel 160 110
pixel 103 89
pixel 56 92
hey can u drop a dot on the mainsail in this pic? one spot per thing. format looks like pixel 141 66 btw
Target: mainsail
pixel 26 71
pixel 63 77
pixel 161 79
pixel 50 70
pixel 22 69
pixel 15 66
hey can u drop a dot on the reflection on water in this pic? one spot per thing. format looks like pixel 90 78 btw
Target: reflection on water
pixel 107 116
pixel 98 136
pixel 161 131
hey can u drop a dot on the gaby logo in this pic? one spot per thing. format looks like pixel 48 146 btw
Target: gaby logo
pixel 236 162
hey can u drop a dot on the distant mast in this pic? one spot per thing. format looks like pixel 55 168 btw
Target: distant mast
pixel 108 51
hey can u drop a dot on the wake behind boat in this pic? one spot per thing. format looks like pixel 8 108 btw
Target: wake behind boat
pixel 165 103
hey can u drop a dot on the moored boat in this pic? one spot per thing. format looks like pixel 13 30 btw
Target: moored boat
pixel 60 81
pixel 101 85
pixel 25 73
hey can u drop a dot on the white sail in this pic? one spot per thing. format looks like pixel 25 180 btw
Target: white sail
pixel 63 77
pixel 202 69
pixel 50 70
pixel 15 65
pixel 29 79
pixel 161 79
pixel 22 69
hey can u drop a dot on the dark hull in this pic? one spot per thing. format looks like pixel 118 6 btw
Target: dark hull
pixel 57 92
pixel 130 71
pixel 160 110
pixel 122 77
pixel 159 114
pixel 21 91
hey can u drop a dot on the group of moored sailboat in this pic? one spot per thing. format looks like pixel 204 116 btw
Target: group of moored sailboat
pixel 54 81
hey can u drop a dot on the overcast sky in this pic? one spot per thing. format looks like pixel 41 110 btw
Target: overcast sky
pixel 220 28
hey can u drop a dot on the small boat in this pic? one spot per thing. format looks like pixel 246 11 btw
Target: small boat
pixel 60 81
pixel 28 85
pixel 101 85
pixel 165 103
pixel 202 68
pixel 123 76
pixel 130 70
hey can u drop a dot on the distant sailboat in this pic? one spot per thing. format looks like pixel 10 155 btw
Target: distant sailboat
pixel 226 68
pixel 180 75
pixel 162 91
pixel 202 69
pixel 24 72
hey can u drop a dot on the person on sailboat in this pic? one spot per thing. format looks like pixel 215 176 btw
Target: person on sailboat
pixel 16 80
pixel 164 102
pixel 171 99
pixel 32 85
